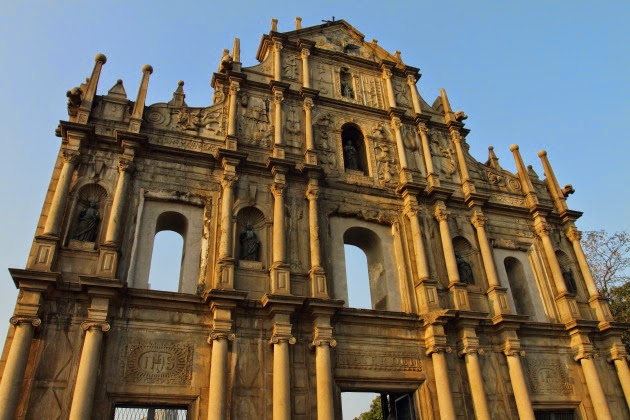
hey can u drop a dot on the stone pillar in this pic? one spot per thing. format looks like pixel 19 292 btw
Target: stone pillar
pixel 619 357
pixel 281 339
pixel 280 279
pixel 277 61
pixel 119 205
pixel 60 197
pixel 387 76
pixel 322 343
pixel 311 155
pixel 400 145
pixel 83 396
pixel 594 386
pixel 234 88
pixel 13 374
pixel 542 229
pixel 278 97
pixel 319 287
pixel 517 377
pixel 225 274
pixel 432 177
pixel 467 186
pixel 412 210
pixel 218 376
pixel 441 214
pixel 306 72
pixel 471 353
pixel 415 97
pixel 440 370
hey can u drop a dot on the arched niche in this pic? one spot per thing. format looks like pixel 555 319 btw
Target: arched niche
pixel 355 157
pixel 157 216
pixel 377 242
pixel 251 217
pixel 87 222
pixel 569 272
pixel 468 263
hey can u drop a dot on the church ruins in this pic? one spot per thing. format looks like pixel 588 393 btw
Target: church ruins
pixel 483 305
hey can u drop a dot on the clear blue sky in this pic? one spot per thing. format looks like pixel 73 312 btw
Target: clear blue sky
pixel 541 74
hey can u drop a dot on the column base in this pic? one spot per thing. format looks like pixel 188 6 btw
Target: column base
pixel 280 279
pixel 459 296
pixel 599 305
pixel 278 151
pixel 43 254
pixel 427 296
pixel 225 274
pixel 107 262
pixel 499 301
pixel 319 288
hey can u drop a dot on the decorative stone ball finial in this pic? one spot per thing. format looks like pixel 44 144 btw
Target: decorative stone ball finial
pixel 542 153
pixel 513 147
pixel 147 67
pixel 491 148
pixel 100 58
pixel 180 83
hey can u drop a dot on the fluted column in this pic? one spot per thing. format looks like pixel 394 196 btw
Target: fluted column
pixel 58 204
pixel 277 61
pixel 114 226
pixel 234 88
pixel 281 371
pixel 517 378
pixel 594 386
pixel 13 374
pixel 441 214
pixel 217 396
pixel 619 357
pixel 83 396
pixel 440 370
pixel 306 72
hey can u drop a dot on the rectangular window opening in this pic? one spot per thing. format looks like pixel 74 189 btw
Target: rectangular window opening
pixel 150 412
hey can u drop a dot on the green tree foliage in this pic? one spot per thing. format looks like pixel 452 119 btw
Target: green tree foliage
pixel 608 255
pixel 375 412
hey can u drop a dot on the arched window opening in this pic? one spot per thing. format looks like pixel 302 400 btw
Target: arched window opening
pixel 354 156
pixel 358 280
pixel 369 242
pixel 518 286
pixel 168 253
pixel 166 261
pixel 567 272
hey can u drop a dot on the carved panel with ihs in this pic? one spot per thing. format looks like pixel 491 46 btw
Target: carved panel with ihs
pixel 166 363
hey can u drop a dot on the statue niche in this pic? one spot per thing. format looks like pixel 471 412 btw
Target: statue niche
pixel 345 77
pixel 250 244
pixel 87 219
pixel 354 157
pixel 251 238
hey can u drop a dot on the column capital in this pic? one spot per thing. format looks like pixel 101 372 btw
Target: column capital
pixel 228 181
pixel 282 333
pixel 309 103
pixel 305 52
pixel 423 129
pixel 478 220
pixel 413 210
pixel 574 234
pixel 617 352
pixel 126 164
pixel 20 319
pixel 218 335
pixel 437 348
pixel 70 155
pixel 396 123
pixel 584 353
pixel 411 80
pixel 387 74
pixel 277 189
pixel 512 348
pixel 88 325
pixel 278 96
pixel 322 335
pixel 542 229
pixel 235 86
pixel 455 134
pixel 470 350
pixel 277 45
pixel 312 192
pixel 440 213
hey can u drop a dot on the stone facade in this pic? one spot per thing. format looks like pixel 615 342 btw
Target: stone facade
pixel 484 306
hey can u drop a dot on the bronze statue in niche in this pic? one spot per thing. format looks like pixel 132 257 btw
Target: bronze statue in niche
pixel 353 148
pixel 250 244
pixel 569 280
pixel 88 223
pixel 465 270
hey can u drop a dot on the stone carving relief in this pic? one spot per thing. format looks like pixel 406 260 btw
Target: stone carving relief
pixel 345 209
pixel 343 42
pixel 382 131
pixel 373 92
pixel 294 213
pixel 369 360
pixel 322 79
pixel 386 168
pixel 411 142
pixel 167 363
pixel 291 67
pixel 502 180
pixel 444 152
pixel 255 124
pixel 510 200
pixel 547 375
pixel 293 126
pixel 325 143
pixel 401 94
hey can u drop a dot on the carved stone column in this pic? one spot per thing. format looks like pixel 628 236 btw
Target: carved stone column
pixel 13 374
pixel 310 155
pixel 226 260
pixel 597 302
pixel 619 357
pixel 277 61
pixel 412 210
pixel 234 88
pixel 83 396
pixel 281 339
pixel 458 291
pixel 319 288
pixel 496 293
pixel 279 270
pixel 432 178
pixel 306 71
pixel 467 185
pixel 402 157
pixel 470 351
pixel 219 337
pixel 415 97
pixel 58 204
pixel 387 76
pixel 322 343
pixel 440 370
pixel 278 98
pixel 114 226
pixel 512 353
pixel 595 390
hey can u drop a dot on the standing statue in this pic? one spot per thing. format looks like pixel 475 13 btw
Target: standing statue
pixel 569 280
pixel 351 156
pixel 88 223
pixel 465 270
pixel 250 245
